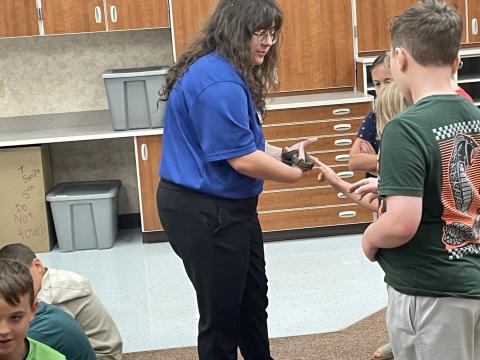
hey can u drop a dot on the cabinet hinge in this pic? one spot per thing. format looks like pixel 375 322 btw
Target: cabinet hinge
pixel 355 35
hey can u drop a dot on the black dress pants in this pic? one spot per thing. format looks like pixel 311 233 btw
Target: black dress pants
pixel 221 245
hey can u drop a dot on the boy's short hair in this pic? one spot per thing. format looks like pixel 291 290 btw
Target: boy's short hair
pixel 19 252
pixel 382 59
pixel 15 281
pixel 430 31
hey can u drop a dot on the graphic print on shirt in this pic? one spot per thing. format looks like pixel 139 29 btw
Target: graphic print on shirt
pixel 459 151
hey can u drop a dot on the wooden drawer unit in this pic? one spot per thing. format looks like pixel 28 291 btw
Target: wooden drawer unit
pixel 324 143
pixel 311 128
pixel 301 198
pixel 309 179
pixel 327 112
pixel 314 217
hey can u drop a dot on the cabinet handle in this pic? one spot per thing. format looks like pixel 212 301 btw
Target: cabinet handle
pixel 474 26
pixel 98 14
pixel 343 157
pixel 341 195
pixel 347 214
pixel 113 14
pixel 345 174
pixel 342 127
pixel 144 151
pixel 343 142
pixel 341 111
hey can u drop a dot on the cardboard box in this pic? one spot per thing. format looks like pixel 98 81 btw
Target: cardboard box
pixel 25 179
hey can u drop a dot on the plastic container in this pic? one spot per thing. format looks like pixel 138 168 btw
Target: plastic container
pixel 133 96
pixel 85 214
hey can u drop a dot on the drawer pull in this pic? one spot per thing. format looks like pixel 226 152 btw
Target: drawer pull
pixel 341 195
pixel 347 214
pixel 144 152
pixel 341 111
pixel 474 26
pixel 113 14
pixel 98 15
pixel 343 157
pixel 343 142
pixel 342 127
pixel 345 174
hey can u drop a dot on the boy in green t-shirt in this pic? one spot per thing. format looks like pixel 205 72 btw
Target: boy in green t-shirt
pixel 427 236
pixel 17 309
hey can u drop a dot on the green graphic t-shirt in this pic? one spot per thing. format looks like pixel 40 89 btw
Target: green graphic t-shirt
pixel 432 150
pixel 39 351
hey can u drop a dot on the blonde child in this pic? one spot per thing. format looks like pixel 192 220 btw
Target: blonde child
pixel 363 156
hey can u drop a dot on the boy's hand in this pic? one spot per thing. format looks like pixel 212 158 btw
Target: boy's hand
pixel 364 187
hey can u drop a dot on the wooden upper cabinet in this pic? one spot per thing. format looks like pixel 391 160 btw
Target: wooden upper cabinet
pixel 188 17
pixel 474 21
pixel 317 46
pixel 374 17
pixel 18 18
pixel 137 14
pixel 72 16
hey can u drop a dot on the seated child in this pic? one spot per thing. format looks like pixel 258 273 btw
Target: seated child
pixel 55 328
pixel 17 309
pixel 73 294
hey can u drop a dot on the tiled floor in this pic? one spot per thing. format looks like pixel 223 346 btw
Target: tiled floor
pixel 315 285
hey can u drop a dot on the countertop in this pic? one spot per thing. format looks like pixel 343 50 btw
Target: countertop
pixel 94 125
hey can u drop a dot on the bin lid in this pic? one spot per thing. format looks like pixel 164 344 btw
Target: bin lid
pixel 84 190
pixel 146 71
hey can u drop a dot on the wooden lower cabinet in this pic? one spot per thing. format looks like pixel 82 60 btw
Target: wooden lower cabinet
pixel 310 218
pixel 148 151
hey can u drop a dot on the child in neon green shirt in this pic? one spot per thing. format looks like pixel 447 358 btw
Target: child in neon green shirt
pixel 17 309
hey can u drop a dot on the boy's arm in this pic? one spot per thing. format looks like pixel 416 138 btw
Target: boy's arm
pixel 395 227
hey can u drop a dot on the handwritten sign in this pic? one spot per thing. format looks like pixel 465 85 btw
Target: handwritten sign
pixel 24 210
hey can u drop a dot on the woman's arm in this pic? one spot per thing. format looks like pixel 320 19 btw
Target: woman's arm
pixel 261 165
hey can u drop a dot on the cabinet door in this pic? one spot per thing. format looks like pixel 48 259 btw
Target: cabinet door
pixel 474 20
pixel 374 17
pixel 72 16
pixel 188 17
pixel 18 18
pixel 148 150
pixel 317 47
pixel 136 14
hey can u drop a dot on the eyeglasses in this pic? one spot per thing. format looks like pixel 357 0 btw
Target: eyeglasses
pixel 262 36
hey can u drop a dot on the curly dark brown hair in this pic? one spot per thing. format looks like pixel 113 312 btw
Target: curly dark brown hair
pixel 228 31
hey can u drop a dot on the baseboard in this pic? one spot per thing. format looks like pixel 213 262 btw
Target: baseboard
pixel 160 236
pixel 127 221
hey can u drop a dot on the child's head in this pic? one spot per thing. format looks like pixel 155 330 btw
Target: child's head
pixel 388 104
pixel 427 35
pixel 380 71
pixel 27 257
pixel 17 308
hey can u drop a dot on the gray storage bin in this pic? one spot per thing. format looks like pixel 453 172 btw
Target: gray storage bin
pixel 85 214
pixel 133 97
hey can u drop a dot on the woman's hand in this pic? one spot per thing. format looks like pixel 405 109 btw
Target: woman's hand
pixel 305 143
